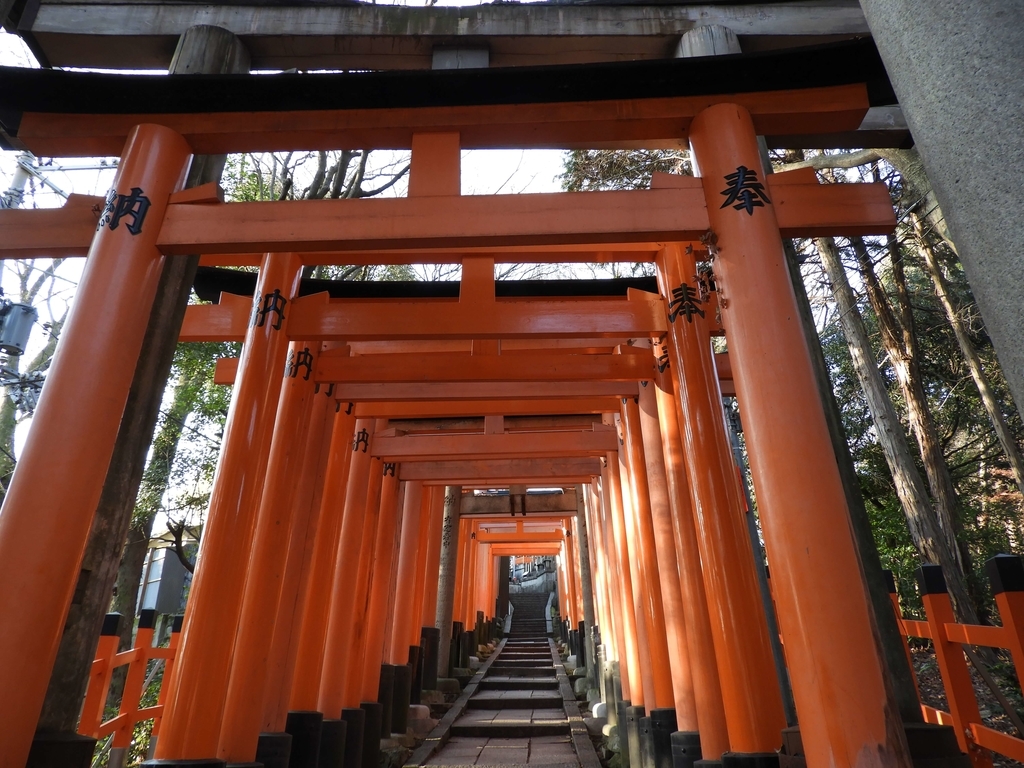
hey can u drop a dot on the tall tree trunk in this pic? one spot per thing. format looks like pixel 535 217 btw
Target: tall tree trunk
pixel 155 481
pixel 963 338
pixel 910 488
pixel 446 578
pixel 918 188
pixel 899 340
pixel 8 424
pixel 40 362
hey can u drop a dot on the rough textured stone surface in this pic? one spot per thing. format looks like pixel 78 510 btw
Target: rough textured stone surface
pixel 422 727
pixel 956 67
pixel 595 725
pixel 449 685
pixel 418 712
pixel 431 697
pixel 393 755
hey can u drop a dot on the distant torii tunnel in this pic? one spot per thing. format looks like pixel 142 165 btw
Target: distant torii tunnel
pixel 361 425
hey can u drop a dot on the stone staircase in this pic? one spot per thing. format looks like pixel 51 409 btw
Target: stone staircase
pixel 517 714
pixel 528 616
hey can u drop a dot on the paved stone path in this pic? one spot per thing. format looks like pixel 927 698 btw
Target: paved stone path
pixel 519 710
pixel 516 716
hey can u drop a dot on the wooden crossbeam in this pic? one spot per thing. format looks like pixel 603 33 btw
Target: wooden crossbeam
pixel 520 537
pixel 523 445
pixel 805 208
pixel 532 503
pixel 463 424
pixel 406 230
pixel 444 367
pixel 419 409
pixel 486 391
pixel 565 253
pixel 442 221
pixel 315 318
pixel 525 550
pixel 356 321
pixel 498 473
pixel 622 123
pixel 500 523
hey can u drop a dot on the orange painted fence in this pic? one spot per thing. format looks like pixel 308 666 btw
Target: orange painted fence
pixel 1006 575
pixel 137 660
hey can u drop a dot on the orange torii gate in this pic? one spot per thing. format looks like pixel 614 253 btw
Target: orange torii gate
pixel 216 704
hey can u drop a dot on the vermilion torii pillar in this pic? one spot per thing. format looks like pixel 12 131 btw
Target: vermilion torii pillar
pixel 195 701
pixel 44 524
pixel 824 611
pixel 341 611
pixel 391 502
pixel 629 656
pixel 749 685
pixel 296 583
pixel 681 659
pixel 243 708
pixel 310 654
pixel 707 687
pixel 406 588
pixel 645 553
pixel 432 562
pixel 360 586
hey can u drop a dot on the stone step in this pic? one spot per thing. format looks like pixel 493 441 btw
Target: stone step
pixel 526 644
pixel 518 683
pixel 513 702
pixel 506 671
pixel 510 730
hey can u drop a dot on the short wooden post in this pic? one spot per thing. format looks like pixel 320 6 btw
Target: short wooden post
pixel 99 676
pixel 1006 576
pixel 956 677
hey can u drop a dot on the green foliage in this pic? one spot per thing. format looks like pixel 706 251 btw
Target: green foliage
pixel 241 180
pixel 595 169
pixel 197 410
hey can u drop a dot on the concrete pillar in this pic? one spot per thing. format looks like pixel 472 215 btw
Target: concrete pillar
pixel 446 577
pixel 955 67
